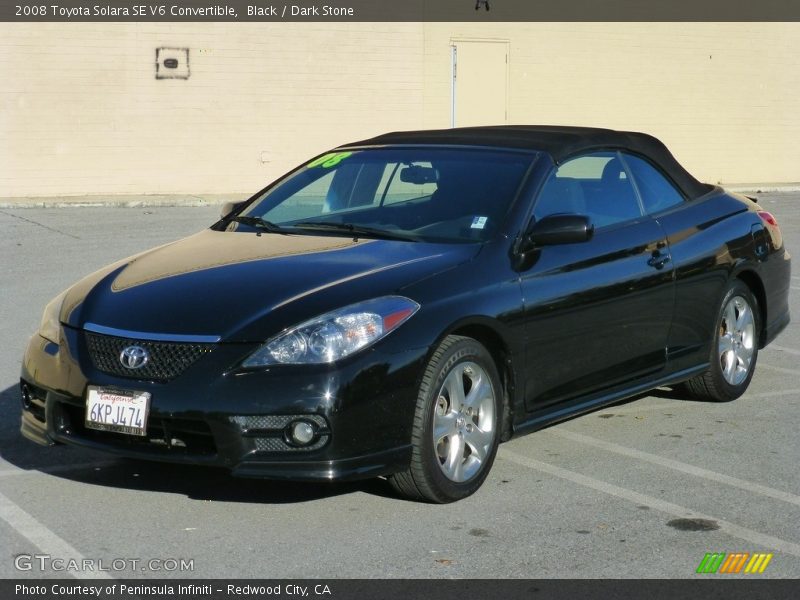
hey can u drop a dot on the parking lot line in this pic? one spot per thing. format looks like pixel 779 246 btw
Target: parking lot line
pixel 676 465
pixel 44 539
pixel 744 533
pixel 636 407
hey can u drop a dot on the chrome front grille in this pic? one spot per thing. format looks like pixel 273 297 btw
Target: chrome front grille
pixel 166 360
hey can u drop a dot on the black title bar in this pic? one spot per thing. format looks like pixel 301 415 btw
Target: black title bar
pixel 398 10
pixel 733 588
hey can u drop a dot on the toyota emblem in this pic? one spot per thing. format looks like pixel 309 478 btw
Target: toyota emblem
pixel 134 357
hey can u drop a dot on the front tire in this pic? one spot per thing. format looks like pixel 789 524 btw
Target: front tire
pixel 455 433
pixel 734 350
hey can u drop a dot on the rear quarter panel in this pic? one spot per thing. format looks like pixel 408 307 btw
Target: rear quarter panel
pixel 710 241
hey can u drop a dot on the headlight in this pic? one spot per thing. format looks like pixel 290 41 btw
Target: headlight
pixel 336 334
pixel 50 325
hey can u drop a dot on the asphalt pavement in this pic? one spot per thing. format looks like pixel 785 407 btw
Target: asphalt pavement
pixel 642 489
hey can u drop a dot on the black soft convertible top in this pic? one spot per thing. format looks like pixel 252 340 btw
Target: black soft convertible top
pixel 557 141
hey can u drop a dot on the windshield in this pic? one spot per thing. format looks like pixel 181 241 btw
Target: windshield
pixel 419 194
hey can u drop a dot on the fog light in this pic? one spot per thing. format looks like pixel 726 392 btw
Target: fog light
pixel 26 396
pixel 303 433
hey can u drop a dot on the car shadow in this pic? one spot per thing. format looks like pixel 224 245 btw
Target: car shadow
pixel 672 393
pixel 667 393
pixel 676 393
pixel 195 482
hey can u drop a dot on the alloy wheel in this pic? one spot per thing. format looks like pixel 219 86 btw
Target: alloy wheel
pixel 736 340
pixel 464 422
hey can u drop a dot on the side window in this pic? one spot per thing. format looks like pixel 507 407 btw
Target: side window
pixel 596 185
pixel 657 192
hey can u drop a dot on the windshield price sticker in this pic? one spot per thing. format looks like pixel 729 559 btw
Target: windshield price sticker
pixel 479 222
pixel 116 410
pixel 326 161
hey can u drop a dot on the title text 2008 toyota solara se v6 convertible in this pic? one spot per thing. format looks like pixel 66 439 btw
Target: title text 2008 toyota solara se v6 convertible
pixel 399 306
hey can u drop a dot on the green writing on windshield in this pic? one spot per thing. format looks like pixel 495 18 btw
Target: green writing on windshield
pixel 328 160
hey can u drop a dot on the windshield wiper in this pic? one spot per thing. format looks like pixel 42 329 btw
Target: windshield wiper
pixel 355 230
pixel 260 223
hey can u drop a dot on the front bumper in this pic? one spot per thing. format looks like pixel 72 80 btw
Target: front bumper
pixel 213 414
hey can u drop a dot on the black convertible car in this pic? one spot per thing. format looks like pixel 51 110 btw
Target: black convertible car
pixel 398 306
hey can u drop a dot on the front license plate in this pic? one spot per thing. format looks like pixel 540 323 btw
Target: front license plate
pixel 111 409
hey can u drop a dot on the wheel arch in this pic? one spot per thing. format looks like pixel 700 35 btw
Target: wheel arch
pixel 751 279
pixel 486 331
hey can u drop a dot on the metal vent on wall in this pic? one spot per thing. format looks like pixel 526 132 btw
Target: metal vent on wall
pixel 172 63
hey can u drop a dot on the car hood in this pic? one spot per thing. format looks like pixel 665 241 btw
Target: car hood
pixel 239 286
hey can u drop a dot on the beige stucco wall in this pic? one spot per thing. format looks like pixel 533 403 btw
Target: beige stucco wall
pixel 82 113
pixel 724 97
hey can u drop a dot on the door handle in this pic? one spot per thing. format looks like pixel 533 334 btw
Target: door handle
pixel 658 260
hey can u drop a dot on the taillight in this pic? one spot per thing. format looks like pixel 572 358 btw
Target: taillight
pixel 768 218
pixel 771 225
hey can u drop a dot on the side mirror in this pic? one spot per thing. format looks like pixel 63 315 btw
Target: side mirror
pixel 560 229
pixel 228 208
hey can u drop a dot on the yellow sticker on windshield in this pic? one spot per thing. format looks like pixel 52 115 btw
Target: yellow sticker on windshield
pixel 328 160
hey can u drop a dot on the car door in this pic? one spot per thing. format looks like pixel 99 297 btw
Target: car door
pixel 597 313
pixel 701 250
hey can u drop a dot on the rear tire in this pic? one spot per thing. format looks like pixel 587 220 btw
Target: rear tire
pixel 734 349
pixel 456 424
